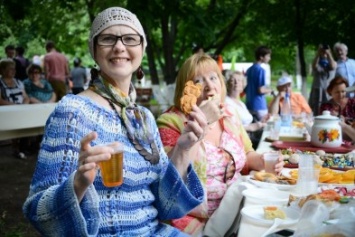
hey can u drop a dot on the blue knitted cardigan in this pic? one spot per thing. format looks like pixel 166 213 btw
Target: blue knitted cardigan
pixel 149 193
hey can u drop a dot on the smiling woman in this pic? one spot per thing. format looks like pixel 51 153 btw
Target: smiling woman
pixel 72 199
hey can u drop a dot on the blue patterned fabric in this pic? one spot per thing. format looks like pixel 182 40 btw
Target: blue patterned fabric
pixel 148 194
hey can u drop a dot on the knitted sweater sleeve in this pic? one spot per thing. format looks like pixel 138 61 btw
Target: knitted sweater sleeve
pixel 52 206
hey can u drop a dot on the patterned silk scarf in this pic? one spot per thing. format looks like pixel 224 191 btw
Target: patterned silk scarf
pixel 133 117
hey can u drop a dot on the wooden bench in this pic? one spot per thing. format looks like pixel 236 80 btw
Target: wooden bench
pixel 23 120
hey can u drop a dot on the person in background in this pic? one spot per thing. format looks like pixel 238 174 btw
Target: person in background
pixel 38 90
pixel 224 149
pixel 78 77
pixel 323 70
pixel 256 84
pixel 339 104
pixel 235 86
pixel 345 66
pixel 67 195
pixel 22 64
pixel 299 104
pixel 12 92
pixel 56 70
pixel 10 51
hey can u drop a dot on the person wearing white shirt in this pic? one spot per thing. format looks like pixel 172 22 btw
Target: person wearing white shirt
pixel 346 66
pixel 235 86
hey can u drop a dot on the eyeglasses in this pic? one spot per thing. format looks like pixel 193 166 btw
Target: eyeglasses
pixel 36 72
pixel 128 40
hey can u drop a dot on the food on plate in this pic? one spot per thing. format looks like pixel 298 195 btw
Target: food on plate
pixel 191 93
pixel 298 124
pixel 330 195
pixel 330 176
pixel 286 180
pixel 272 178
pixel 348 176
pixel 343 191
pixel 272 212
pixel 265 177
pixel 326 196
pixel 347 161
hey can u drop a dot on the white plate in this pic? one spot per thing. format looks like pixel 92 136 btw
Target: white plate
pixel 266 196
pixel 256 215
pixel 270 185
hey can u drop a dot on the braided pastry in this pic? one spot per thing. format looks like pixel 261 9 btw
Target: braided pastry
pixel 191 93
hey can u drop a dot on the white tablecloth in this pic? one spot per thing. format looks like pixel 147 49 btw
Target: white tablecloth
pixel 265 146
pixel 246 227
pixel 23 120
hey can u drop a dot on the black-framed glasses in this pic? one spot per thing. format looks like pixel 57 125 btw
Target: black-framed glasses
pixel 128 40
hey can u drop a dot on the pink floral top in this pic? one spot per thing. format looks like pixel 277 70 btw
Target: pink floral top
pixel 210 164
pixel 218 160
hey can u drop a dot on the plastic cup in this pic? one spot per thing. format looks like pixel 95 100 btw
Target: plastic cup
pixel 275 129
pixel 112 169
pixel 305 161
pixel 307 182
pixel 270 160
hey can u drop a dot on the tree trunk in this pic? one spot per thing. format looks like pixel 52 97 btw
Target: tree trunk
pixel 151 61
pixel 300 46
pixel 168 44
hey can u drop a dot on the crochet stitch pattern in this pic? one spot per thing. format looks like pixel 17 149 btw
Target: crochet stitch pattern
pixel 149 192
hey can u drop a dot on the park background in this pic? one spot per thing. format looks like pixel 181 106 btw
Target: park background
pixel 293 29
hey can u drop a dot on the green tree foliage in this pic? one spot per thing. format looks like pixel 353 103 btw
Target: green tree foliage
pixel 227 27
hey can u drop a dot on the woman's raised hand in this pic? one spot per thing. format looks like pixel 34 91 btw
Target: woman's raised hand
pixel 194 130
pixel 89 157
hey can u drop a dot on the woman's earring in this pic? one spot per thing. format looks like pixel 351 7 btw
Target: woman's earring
pixel 139 73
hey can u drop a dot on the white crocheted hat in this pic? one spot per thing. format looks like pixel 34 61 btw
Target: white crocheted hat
pixel 114 16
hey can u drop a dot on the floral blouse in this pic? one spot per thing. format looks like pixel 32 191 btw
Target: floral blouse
pixel 348 111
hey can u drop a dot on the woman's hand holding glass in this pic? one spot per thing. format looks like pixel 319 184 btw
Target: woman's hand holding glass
pixel 279 164
pixel 89 158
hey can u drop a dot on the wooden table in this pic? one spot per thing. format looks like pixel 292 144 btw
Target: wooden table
pixel 23 120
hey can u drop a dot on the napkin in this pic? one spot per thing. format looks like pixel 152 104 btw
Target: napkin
pixel 227 216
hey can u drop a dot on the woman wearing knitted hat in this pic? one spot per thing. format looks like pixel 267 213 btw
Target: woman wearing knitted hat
pixel 67 196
